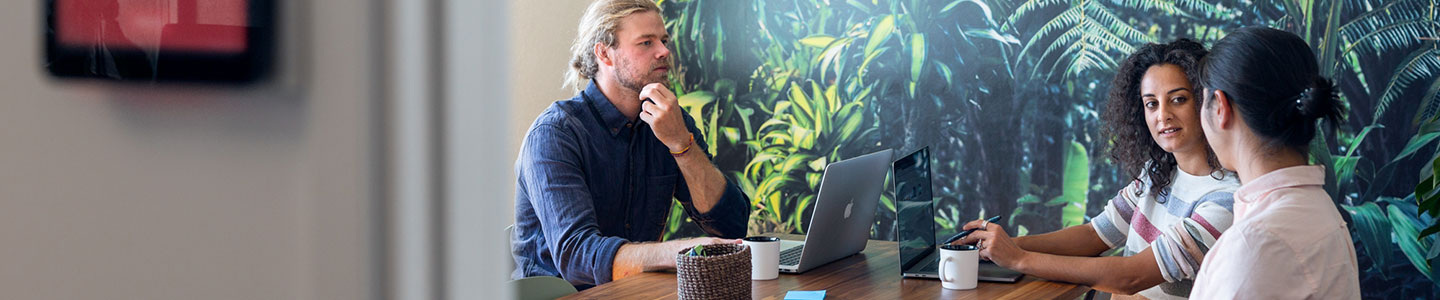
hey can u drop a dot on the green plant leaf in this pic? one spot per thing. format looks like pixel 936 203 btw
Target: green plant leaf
pixel 917 55
pixel 1075 185
pixel 1355 143
pixel 1345 168
pixel 695 102
pixel 1423 64
pixel 1406 235
pixel 1416 142
pixel 817 41
pixel 1372 229
pixel 880 34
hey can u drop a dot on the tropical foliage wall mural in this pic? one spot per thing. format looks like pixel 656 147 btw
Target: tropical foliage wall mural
pixel 1007 95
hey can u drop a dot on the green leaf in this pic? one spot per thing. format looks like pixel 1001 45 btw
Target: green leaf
pixel 991 34
pixel 732 134
pixel 1355 143
pixel 817 41
pixel 1416 142
pixel 951 6
pixel 676 219
pixel 917 55
pixel 1075 185
pixel 818 165
pixel 1345 168
pixel 945 72
pixel 1428 200
pixel 695 102
pixel 1420 65
pixel 1372 229
pixel 1406 235
pixel 1027 199
pixel 880 34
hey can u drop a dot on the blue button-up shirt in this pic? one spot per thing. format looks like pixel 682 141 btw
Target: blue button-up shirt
pixel 591 179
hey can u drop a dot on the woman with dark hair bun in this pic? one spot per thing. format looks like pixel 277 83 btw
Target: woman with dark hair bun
pixel 1263 95
pixel 1177 206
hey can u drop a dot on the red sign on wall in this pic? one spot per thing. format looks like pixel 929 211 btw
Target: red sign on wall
pixel 224 40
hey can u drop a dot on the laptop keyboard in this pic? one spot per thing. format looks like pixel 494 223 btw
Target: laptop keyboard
pixel 791 256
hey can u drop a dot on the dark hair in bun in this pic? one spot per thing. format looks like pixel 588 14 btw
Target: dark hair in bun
pixel 1274 81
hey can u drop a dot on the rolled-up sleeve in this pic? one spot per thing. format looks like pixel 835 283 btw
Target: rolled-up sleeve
pixel 554 183
pixel 730 217
pixel 1180 248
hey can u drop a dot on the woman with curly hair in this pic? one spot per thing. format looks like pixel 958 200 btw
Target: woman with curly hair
pixel 1166 220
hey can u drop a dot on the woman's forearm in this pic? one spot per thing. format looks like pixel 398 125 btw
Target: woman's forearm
pixel 1114 274
pixel 1079 240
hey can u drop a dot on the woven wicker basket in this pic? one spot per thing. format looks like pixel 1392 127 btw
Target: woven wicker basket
pixel 722 274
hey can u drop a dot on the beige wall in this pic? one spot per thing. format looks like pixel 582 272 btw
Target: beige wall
pixel 540 52
pixel 139 191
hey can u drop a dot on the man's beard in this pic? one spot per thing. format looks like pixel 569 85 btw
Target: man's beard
pixel 637 82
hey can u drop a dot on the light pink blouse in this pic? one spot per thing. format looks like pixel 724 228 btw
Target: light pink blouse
pixel 1288 242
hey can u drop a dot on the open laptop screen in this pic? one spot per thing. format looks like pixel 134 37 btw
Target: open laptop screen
pixel 914 212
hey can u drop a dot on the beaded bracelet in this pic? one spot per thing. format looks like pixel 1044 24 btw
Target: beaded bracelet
pixel 687 147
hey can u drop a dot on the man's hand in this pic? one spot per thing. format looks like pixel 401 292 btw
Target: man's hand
pixel 665 117
pixel 633 258
pixel 677 245
pixel 995 245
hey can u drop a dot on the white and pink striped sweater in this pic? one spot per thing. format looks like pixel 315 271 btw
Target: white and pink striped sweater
pixel 1182 224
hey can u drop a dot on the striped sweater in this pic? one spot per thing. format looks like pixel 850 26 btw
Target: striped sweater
pixel 1181 224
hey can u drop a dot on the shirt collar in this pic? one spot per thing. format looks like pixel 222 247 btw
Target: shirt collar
pixel 1257 188
pixel 605 111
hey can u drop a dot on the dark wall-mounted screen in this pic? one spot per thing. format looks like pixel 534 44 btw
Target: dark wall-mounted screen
pixel 159 40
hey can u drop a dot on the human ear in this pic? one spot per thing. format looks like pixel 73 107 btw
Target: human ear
pixel 602 55
pixel 1224 116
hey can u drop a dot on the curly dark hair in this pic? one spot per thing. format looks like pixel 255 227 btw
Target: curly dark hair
pixel 1124 117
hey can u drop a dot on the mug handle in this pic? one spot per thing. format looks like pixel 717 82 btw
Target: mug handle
pixel 942 269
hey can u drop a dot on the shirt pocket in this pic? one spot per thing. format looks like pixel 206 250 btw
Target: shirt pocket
pixel 660 194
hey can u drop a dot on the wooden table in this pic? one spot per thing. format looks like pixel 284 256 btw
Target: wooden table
pixel 872 274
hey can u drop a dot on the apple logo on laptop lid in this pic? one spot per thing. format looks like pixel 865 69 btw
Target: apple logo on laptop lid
pixel 848 206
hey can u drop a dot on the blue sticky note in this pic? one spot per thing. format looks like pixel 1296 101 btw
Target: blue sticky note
pixel 805 295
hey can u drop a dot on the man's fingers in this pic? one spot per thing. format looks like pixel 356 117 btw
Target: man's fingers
pixel 659 93
pixel 651 106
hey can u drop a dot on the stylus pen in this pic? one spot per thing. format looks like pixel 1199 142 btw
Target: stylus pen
pixel 962 234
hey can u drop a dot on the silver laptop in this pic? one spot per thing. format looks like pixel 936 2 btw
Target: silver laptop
pixel 844 212
pixel 916 223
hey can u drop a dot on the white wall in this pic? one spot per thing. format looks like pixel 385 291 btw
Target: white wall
pixel 138 191
pixel 366 168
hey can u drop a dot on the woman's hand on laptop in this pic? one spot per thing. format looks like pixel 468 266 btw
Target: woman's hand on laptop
pixel 994 243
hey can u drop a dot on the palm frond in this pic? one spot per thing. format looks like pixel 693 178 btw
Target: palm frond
pixel 1203 9
pixel 1085 36
pixel 1431 106
pixel 1421 66
pixel 1167 7
pixel 1391 26
pixel 1026 8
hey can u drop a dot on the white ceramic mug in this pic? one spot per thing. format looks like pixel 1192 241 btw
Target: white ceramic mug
pixel 764 257
pixel 959 266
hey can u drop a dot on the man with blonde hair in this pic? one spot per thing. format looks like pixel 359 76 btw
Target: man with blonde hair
pixel 597 172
